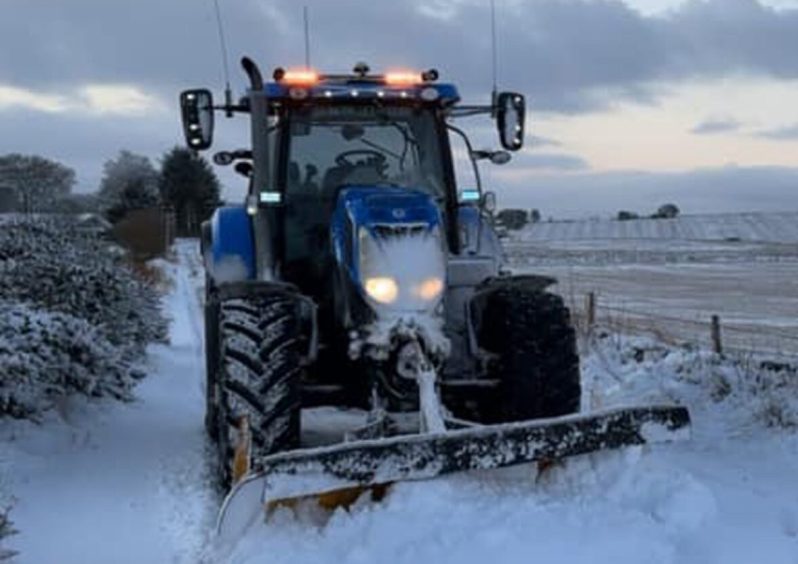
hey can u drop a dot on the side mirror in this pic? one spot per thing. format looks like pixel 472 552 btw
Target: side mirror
pixel 510 116
pixel 197 110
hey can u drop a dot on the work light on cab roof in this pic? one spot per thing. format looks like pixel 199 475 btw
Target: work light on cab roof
pixel 400 84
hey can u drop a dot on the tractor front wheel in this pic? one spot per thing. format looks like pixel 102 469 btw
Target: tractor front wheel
pixel 535 359
pixel 259 378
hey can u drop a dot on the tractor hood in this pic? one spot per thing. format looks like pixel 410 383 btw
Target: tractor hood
pixel 370 206
pixel 389 242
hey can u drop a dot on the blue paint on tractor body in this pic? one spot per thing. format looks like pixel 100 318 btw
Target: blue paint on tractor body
pixel 469 216
pixel 232 238
pixel 367 207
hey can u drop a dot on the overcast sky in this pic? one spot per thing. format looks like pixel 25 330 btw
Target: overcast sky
pixel 631 103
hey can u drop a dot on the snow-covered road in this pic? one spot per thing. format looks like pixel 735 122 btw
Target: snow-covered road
pixel 116 483
pixel 129 483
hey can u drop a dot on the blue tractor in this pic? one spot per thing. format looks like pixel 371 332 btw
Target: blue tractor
pixel 357 273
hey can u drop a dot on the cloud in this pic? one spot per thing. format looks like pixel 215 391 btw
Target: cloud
pixel 95 75
pixel 568 55
pixel 714 190
pixel 786 133
pixel 538 141
pixel 547 161
pixel 96 99
pixel 13 98
pixel 122 100
pixel 83 142
pixel 716 125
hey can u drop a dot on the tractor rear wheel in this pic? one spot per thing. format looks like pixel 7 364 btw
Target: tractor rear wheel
pixel 535 358
pixel 259 378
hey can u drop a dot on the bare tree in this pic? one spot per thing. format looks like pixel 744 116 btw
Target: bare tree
pixel 36 181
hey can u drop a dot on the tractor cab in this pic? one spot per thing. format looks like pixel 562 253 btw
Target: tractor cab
pixel 327 143
pixel 347 140
pixel 357 142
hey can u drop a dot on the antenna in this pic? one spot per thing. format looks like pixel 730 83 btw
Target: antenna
pixel 307 38
pixel 494 56
pixel 228 93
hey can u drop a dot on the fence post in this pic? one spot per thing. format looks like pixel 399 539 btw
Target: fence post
pixel 717 344
pixel 590 307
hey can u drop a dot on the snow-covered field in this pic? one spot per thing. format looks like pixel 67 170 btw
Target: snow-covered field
pixel 762 227
pixel 130 483
pixel 673 275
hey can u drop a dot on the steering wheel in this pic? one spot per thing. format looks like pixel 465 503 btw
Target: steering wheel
pixel 342 159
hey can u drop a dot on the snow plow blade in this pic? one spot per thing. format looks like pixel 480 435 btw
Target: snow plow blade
pixel 336 475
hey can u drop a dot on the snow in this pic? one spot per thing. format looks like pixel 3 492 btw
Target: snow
pixel 430 402
pixel 230 268
pixel 757 226
pixel 411 260
pixel 672 286
pixel 106 482
pixel 612 509
pixel 728 495
pixel 45 356
pixel 415 263
pixel 102 482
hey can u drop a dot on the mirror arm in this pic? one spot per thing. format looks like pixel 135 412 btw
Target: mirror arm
pixel 233 108
pixel 470 148
pixel 466 111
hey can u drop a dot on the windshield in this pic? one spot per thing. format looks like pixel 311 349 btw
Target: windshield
pixel 334 146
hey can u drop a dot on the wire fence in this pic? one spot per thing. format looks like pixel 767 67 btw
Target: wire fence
pixel 728 336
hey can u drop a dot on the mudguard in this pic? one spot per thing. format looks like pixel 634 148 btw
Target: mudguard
pixel 230 257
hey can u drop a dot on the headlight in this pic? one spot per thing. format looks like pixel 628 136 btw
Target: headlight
pixel 430 289
pixel 405 271
pixel 382 289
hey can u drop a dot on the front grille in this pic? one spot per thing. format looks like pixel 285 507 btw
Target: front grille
pixel 399 230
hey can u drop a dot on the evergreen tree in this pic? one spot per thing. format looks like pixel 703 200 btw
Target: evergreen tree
pixel 190 186
pixel 667 211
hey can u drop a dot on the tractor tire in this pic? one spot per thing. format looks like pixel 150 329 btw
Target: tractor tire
pixel 535 359
pixel 212 348
pixel 260 373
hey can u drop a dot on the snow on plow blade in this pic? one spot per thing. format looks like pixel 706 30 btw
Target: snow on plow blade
pixel 343 471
